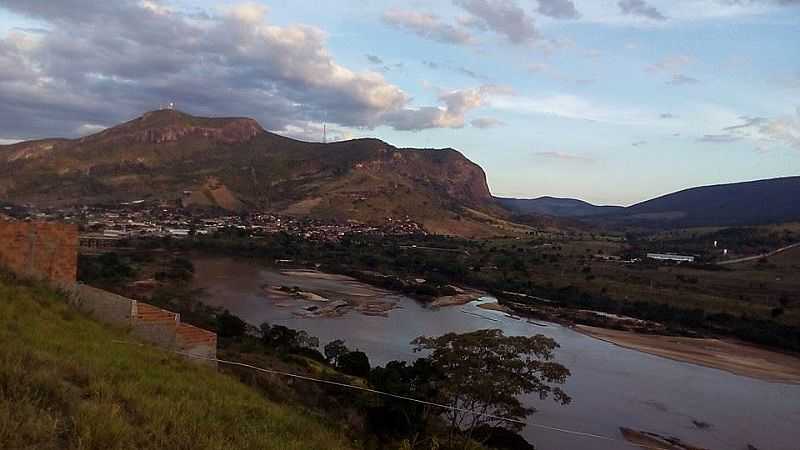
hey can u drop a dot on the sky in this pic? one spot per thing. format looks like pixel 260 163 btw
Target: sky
pixel 613 102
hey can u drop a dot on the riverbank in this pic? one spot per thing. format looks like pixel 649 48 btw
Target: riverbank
pixel 730 356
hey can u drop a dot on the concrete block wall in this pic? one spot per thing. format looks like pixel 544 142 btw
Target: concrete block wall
pixel 103 305
pixel 41 250
pixel 148 323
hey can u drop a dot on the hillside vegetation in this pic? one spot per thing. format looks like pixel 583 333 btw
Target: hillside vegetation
pixel 66 382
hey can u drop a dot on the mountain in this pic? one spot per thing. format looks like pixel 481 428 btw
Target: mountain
pixel 749 203
pixel 554 206
pixel 233 163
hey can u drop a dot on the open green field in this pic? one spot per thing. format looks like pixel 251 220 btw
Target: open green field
pixel 66 384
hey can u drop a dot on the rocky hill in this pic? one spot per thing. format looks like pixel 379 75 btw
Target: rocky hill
pixel 235 164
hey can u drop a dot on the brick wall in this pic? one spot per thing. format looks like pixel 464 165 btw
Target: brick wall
pixel 49 251
pixel 41 250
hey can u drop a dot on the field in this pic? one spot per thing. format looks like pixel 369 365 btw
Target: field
pixel 67 382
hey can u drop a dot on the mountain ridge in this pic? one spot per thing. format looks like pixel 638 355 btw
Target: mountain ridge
pixel 755 202
pixel 235 164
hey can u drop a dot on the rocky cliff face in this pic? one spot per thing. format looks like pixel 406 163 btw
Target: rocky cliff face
pixel 166 154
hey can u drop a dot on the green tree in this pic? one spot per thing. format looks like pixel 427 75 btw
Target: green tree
pixel 230 326
pixel 486 372
pixel 355 363
pixel 335 349
pixel 284 339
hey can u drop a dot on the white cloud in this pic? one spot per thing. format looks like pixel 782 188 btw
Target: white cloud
pixel 573 107
pixel 456 105
pixel 89 128
pixel 427 25
pixel 563 156
pixel 486 122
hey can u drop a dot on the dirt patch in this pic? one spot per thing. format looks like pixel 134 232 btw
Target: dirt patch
pixel 494 306
pixel 463 297
pixel 731 356
pixel 655 441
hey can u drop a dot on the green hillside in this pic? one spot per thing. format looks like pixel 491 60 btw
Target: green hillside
pixel 65 384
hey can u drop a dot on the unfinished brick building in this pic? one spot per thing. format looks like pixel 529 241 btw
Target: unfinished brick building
pixel 49 251
pixel 40 250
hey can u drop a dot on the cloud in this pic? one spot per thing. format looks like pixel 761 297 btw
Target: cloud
pixel 640 8
pixel 503 17
pixel 674 66
pixel 452 114
pixel 89 128
pixel 471 73
pixel 667 116
pixel 427 25
pixel 486 122
pixel 315 132
pixel 639 143
pixel 680 79
pixel 783 130
pixel 461 70
pixel 101 63
pixel 718 138
pixel 374 59
pixel 671 64
pixel 563 156
pixel 755 2
pixel 568 106
pixel 558 9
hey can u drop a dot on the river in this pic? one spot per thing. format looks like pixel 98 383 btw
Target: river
pixel 610 386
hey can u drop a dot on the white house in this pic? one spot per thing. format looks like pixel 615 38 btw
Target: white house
pixel 670 257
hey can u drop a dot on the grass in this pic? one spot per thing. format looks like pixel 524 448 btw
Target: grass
pixel 66 384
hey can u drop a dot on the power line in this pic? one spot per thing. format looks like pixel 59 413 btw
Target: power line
pixel 415 400
pixel 410 399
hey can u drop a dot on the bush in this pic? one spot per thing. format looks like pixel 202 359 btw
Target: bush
pixel 230 326
pixel 354 363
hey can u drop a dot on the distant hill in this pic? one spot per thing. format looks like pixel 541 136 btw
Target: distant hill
pixel 233 163
pixel 554 206
pixel 749 203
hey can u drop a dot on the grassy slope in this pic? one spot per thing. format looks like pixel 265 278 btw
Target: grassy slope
pixel 65 384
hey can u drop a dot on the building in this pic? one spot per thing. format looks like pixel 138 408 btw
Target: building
pixel 670 257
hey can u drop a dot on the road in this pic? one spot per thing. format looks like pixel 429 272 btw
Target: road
pixel 763 255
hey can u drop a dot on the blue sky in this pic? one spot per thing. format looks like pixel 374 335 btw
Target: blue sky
pixel 613 102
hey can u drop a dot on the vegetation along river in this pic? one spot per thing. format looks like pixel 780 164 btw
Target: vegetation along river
pixel 611 386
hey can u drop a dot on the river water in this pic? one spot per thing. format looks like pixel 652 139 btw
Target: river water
pixel 610 386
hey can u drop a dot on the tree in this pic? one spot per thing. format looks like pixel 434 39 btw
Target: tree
pixel 284 339
pixel 398 418
pixel 335 349
pixel 230 326
pixel 486 372
pixel 354 363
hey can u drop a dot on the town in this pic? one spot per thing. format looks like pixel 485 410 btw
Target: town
pixel 102 226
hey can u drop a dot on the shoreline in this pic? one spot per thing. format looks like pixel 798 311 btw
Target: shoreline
pixel 733 357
